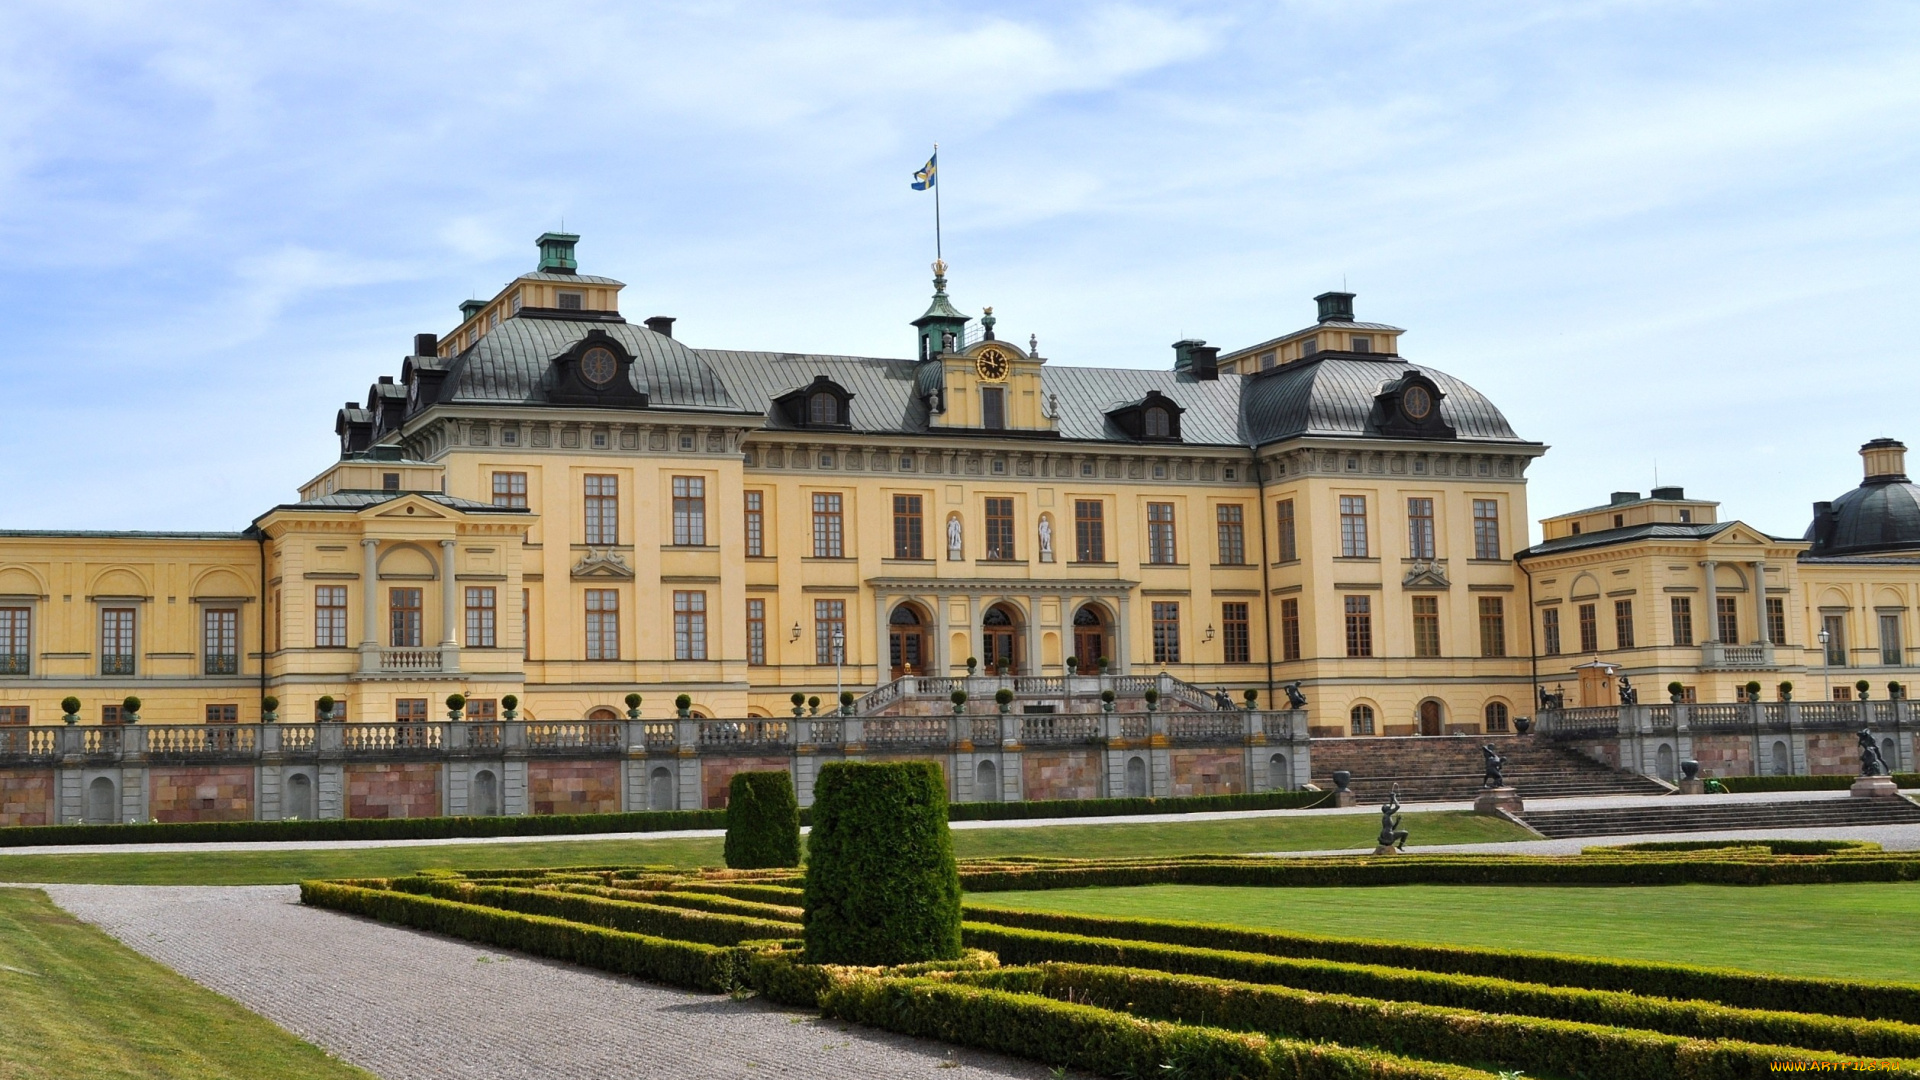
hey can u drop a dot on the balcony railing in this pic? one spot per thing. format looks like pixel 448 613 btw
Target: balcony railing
pixel 29 742
pixel 202 740
pixel 15 664
pixel 1730 717
pixel 907 731
pixel 116 664
pixel 409 659
pixel 580 735
pixel 744 733
pixel 221 664
pixel 1205 727
pixel 1062 728
pixel 1718 656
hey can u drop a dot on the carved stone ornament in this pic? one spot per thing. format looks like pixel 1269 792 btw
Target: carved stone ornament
pixel 1426 575
pixel 602 563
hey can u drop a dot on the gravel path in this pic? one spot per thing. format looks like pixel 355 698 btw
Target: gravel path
pixel 408 1005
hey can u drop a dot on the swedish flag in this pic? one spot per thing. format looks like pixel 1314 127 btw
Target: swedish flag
pixel 928 173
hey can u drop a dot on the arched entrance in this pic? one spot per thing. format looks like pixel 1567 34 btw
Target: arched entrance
pixel 103 802
pixel 907 649
pixel 986 782
pixel 1000 638
pixel 1431 722
pixel 1090 637
pixel 603 713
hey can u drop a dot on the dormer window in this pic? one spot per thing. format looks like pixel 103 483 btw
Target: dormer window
pixel 1154 418
pixel 1156 424
pixel 822 403
pixel 571 301
pixel 823 409
pixel 1362 343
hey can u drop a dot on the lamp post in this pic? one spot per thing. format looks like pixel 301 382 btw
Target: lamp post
pixel 1825 682
pixel 839 658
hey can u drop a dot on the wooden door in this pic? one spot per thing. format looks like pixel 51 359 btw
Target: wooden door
pixel 1000 642
pixel 1429 718
pixel 907 649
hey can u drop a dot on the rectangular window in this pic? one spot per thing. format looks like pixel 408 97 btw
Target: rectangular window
pixel 410 711
pixel 1236 647
pixel 1362 343
pixel 481 605
pixel 689 511
pixel 1682 607
pixel 1359 625
pixel 603 510
pixel 1166 632
pixel 1000 529
pixel 1160 548
pixel 993 408
pixel 404 618
pixel 756 632
pixel 1426 626
pixel 509 489
pixel 756 525
pixel 1353 526
pixel 1419 528
pixel 1836 629
pixel 689 625
pixel 1360 720
pixel 223 714
pixel 330 617
pixel 908 534
pixel 1589 629
pixel 1289 550
pixel 16 637
pixel 1623 624
pixel 483 710
pixel 826 525
pixel 1089 531
pixel 829 623
pixel 116 641
pixel 390 481
pixel 1493 626
pixel 220 641
pixel 110 714
pixel 1486 529
pixel 1777 620
pixel 570 301
pixel 1290 629
pixel 1550 631
pixel 14 715
pixel 603 624
pixel 1890 650
pixel 1233 534
pixel 1729 615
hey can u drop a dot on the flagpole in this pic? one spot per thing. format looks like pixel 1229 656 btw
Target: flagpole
pixel 936 202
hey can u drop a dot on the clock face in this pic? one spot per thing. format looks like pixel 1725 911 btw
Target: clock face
pixel 598 366
pixel 1416 402
pixel 992 365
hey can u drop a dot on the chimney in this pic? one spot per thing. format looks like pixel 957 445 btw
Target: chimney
pixel 1335 306
pixel 1885 461
pixel 1183 353
pixel 1620 497
pixel 556 253
pixel 660 324
pixel 426 345
pixel 1206 363
pixel 1823 522
pixel 1672 494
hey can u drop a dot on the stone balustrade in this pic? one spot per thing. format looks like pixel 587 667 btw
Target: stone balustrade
pixel 1778 738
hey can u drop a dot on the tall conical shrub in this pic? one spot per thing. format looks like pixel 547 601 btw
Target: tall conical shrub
pixel 763 821
pixel 881 884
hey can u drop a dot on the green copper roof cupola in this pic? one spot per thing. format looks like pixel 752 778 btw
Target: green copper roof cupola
pixel 942 328
pixel 556 253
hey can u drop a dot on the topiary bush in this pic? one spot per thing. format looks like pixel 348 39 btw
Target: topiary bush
pixel 763 821
pixel 881 883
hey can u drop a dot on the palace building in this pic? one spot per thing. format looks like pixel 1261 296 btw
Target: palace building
pixel 553 502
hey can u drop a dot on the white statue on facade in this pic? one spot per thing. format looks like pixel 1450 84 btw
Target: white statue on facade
pixel 954 536
pixel 1046 537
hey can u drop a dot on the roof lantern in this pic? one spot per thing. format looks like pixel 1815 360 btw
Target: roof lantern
pixel 1335 306
pixel 470 308
pixel 556 253
pixel 942 328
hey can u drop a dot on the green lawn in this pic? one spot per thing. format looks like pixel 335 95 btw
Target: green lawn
pixel 1278 833
pixel 78 1003
pixel 1856 931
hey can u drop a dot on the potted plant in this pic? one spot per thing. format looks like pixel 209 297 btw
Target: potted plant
pixel 511 705
pixel 1106 701
pixel 323 708
pixel 1153 698
pixel 1863 686
pixel 846 703
pixel 1102 664
pixel 959 699
pixel 267 706
pixel 1895 691
pixel 972 663
pixel 1004 666
pixel 1786 691
pixel 130 710
pixel 633 706
pixel 1253 699
pixel 1073 665
pixel 799 703
pixel 71 707
pixel 1003 697
pixel 1675 692
pixel 683 706
pixel 813 705
pixel 456 706
pixel 1753 690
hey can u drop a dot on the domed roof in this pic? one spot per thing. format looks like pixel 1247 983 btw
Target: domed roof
pixel 1881 515
pixel 1334 394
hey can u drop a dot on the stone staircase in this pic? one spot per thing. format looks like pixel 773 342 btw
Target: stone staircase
pixel 1448 768
pixel 1690 816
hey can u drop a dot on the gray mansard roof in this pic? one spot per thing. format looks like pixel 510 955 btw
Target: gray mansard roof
pixel 1329 396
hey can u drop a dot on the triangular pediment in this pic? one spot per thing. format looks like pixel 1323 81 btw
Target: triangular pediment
pixel 411 507
pixel 1739 534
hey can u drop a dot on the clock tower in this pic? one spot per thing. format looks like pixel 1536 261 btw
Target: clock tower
pixel 943 329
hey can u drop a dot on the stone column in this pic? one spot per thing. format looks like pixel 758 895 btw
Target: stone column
pixel 975 640
pixel 942 647
pixel 882 658
pixel 449 597
pixel 1034 653
pixel 1122 634
pixel 1760 602
pixel 370 591
pixel 1713 603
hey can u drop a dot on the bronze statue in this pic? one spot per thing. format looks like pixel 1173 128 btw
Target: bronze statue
pixel 1295 699
pixel 1493 763
pixel 1552 702
pixel 1628 695
pixel 1871 763
pixel 1391 834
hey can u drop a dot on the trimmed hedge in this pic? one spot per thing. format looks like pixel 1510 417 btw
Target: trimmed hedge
pixel 424 828
pixel 881 887
pixel 710 928
pixel 1184 804
pixel 1771 847
pixel 1740 784
pixel 1101 1041
pixel 763 821
pixel 675 963
pixel 759 894
pixel 1671 998
pixel 1535 1044
pixel 723 905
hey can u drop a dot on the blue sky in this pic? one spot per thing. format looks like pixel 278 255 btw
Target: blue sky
pixel 1679 235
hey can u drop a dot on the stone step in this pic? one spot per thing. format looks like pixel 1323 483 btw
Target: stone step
pixel 1698 817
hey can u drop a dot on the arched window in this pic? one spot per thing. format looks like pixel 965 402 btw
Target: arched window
pixel 1496 716
pixel 1361 720
pixel 904 615
pixel 823 408
pixel 1157 424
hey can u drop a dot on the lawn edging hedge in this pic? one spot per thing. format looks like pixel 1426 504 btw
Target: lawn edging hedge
pixel 711 968
pixel 632 916
pixel 1225 952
